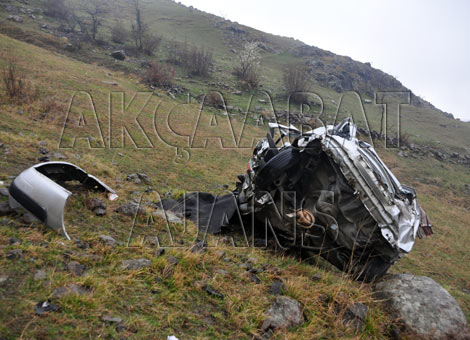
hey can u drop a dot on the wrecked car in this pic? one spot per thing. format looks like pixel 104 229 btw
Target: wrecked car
pixel 329 193
pixel 39 190
pixel 323 192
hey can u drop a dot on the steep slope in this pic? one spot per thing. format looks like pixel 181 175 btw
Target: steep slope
pixel 331 75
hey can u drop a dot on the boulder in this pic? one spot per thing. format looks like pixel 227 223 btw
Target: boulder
pixel 130 209
pixel 285 312
pixel 423 306
pixel 15 18
pixel 119 55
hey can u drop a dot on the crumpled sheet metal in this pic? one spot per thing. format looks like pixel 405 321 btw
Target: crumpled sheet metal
pixel 376 186
pixel 36 190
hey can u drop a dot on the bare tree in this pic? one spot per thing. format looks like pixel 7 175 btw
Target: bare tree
pixel 95 10
pixel 247 66
pixel 296 80
pixel 139 28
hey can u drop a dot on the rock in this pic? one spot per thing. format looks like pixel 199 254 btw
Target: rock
pixel 69 47
pixel 5 209
pixel 3 279
pixel 136 264
pixel 70 289
pixel 213 292
pixel 237 93
pixel 199 247
pixel 111 319
pixel 44 27
pixel 144 178
pixel 29 218
pixel 43 150
pixel 253 260
pixel 14 241
pixel 277 287
pixel 119 55
pixel 40 275
pixel 424 306
pixel 221 272
pixel 4 192
pixel 107 82
pixel 14 254
pixel 108 240
pixel 285 312
pixel 130 209
pixel 159 252
pixel 76 268
pixel 169 216
pixel 96 205
pixel 44 159
pixel 316 277
pixel 355 315
pixel 253 278
pixel 100 212
pixel 247 266
pixel 15 18
pixel 58 155
pixel 172 260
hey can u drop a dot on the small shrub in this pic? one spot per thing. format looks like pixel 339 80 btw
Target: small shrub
pixel 195 60
pixel 57 9
pixel 17 88
pixel 150 43
pixel 246 68
pixel 199 61
pixel 215 99
pixel 119 34
pixel 159 75
pixel 296 81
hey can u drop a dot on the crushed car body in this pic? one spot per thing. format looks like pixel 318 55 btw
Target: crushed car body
pixel 38 190
pixel 330 193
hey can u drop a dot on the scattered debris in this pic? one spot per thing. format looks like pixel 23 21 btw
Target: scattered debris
pixel 213 292
pixel 45 307
pixel 36 189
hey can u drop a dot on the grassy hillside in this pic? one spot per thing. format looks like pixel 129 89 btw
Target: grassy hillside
pixel 167 298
